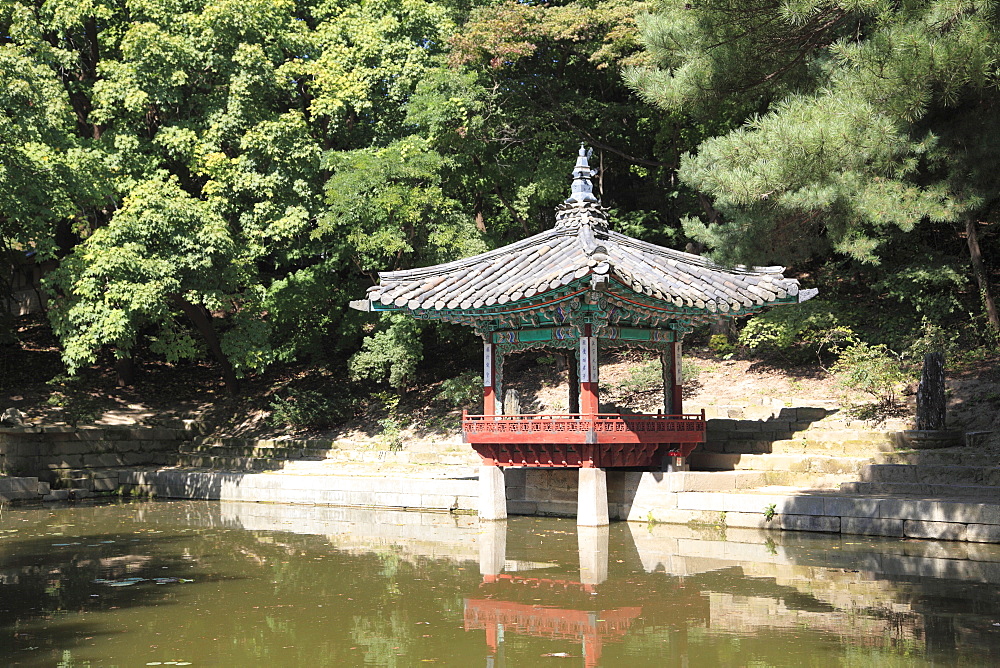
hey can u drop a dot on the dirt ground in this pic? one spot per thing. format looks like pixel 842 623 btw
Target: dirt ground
pixel 32 379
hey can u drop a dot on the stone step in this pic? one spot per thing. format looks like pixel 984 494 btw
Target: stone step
pixel 759 412
pixel 90 484
pixel 265 451
pixel 944 457
pixel 922 473
pixel 923 489
pixel 805 463
pixel 223 463
pixel 798 447
pixel 195 454
pixel 722 481
pixel 18 488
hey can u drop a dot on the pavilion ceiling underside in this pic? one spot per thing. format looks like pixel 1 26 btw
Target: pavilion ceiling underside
pixel 528 283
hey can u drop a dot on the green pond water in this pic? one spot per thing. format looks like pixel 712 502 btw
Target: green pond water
pixel 232 584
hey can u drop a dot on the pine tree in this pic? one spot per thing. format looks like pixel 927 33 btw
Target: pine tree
pixel 858 121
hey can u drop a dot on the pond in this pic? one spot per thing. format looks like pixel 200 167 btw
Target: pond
pixel 231 584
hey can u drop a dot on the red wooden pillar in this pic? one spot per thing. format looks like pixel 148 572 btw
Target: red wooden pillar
pixel 675 353
pixel 489 393
pixel 589 393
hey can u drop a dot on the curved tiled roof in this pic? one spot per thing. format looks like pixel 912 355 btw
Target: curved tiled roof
pixel 581 245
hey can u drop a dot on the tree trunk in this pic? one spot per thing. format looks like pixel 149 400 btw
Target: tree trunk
pixel 202 321
pixel 982 277
pixel 125 371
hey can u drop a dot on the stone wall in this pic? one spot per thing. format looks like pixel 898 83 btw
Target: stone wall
pixel 59 455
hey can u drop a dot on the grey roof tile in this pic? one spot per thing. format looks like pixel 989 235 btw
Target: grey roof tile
pixel 579 245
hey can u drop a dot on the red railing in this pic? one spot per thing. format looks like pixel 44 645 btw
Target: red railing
pixel 601 427
pixel 574 440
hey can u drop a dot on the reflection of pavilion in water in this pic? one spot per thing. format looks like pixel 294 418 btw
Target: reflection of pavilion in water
pixel 497 616
pixel 926 597
pixel 558 608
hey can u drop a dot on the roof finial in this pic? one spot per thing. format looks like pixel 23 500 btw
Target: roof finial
pixel 583 187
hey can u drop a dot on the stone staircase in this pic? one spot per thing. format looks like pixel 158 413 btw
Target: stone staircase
pixel 927 480
pixel 806 447
pixel 236 454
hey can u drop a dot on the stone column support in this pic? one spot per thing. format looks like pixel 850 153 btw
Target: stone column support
pixel 592 543
pixel 592 497
pixel 492 549
pixel 492 493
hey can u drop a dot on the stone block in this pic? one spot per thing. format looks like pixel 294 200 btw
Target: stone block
pixel 871 526
pixel 809 414
pixel 57 495
pixel 751 521
pixel 847 506
pixel 820 523
pixel 703 501
pixel 522 507
pixel 940 511
pixel 935 530
pixel 720 425
pixel 104 484
pixel 556 509
pixel 19 485
pixel 983 533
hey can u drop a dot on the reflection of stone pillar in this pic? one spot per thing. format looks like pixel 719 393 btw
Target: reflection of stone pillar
pixel 592 542
pixel 492 549
pixel 492 493
pixel 592 497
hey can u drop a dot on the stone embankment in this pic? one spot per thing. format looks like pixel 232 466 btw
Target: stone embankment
pixel 789 468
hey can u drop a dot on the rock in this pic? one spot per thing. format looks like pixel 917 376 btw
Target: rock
pixel 12 418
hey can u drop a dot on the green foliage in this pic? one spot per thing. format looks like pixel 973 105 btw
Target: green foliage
pixel 391 424
pixel 76 402
pixel 300 408
pixel 873 370
pixel 721 345
pixel 642 377
pixel 859 130
pixel 390 354
pixel 462 390
pixel 798 334
pixel 769 511
pixel 391 433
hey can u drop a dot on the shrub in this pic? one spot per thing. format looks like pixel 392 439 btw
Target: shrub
pixel 389 354
pixel 874 370
pixel 798 334
pixel 721 345
pixel 462 390
pixel 310 409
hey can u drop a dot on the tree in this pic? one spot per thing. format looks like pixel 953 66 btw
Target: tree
pixel 179 148
pixel 864 122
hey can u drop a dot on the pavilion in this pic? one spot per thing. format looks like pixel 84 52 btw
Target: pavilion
pixel 580 288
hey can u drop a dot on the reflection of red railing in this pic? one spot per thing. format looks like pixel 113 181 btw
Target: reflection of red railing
pixel 603 439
